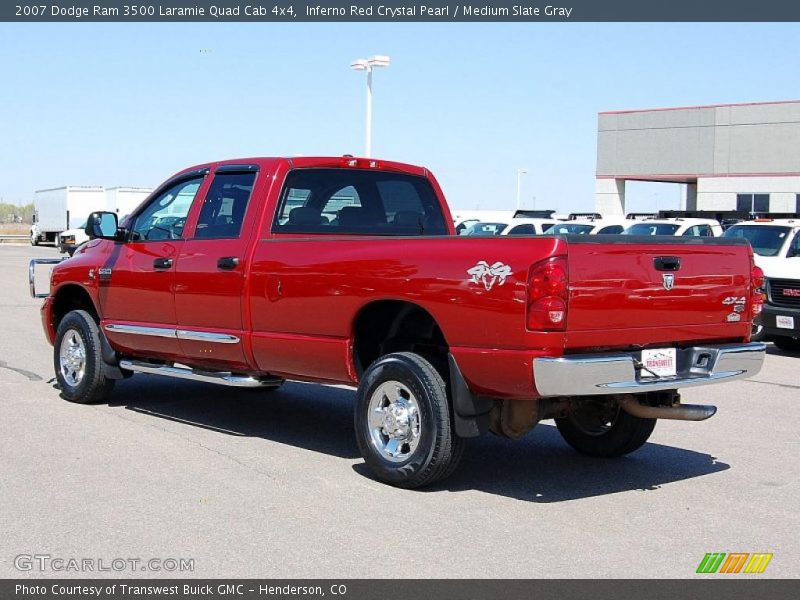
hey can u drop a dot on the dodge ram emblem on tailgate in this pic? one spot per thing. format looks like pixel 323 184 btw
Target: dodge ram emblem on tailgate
pixel 489 275
pixel 668 279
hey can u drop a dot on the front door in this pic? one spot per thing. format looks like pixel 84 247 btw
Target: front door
pixel 138 300
pixel 209 276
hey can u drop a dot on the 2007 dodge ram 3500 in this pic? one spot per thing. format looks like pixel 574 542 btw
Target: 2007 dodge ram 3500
pixel 348 270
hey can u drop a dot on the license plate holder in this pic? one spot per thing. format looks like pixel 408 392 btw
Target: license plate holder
pixel 784 322
pixel 659 362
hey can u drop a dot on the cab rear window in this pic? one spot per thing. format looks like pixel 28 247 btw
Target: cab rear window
pixel 356 201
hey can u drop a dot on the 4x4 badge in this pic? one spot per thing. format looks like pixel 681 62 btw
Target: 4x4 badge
pixel 668 279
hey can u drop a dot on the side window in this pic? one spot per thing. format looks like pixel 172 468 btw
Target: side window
pixel 611 229
pixel 526 229
pixel 225 205
pixel 705 231
pixel 165 216
pixel 357 201
pixel 794 248
pixel 692 232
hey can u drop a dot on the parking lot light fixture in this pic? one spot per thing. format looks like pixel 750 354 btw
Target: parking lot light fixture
pixel 520 173
pixel 368 64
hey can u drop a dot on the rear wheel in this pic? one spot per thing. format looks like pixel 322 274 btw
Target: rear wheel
pixel 403 422
pixel 787 344
pixel 600 428
pixel 78 359
pixel 757 334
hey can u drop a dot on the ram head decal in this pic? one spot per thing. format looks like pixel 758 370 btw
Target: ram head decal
pixel 488 275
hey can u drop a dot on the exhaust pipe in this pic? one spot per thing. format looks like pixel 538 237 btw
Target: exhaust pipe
pixel 680 412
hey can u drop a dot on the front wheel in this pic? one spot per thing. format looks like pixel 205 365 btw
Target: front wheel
pixel 599 428
pixel 34 239
pixel 403 423
pixel 79 361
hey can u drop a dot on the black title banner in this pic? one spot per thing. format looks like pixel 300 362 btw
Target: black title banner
pixel 393 11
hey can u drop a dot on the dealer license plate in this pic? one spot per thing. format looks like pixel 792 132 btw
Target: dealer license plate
pixel 784 322
pixel 659 362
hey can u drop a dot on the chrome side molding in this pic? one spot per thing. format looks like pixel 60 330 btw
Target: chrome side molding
pixel 181 372
pixel 206 336
pixel 168 332
pixel 164 332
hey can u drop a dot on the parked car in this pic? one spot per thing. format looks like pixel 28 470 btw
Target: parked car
pixel 446 337
pixel 776 245
pixel 527 226
pixel 602 226
pixel 462 219
pixel 676 227
pixel 68 241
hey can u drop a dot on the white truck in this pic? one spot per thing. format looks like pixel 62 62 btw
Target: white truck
pixel 776 249
pixel 121 200
pixel 675 226
pixel 59 209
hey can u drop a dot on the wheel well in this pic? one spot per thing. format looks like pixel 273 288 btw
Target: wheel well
pixel 395 326
pixel 72 297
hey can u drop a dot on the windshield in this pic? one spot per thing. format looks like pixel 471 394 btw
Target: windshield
pixel 560 228
pixel 652 229
pixel 766 240
pixel 485 229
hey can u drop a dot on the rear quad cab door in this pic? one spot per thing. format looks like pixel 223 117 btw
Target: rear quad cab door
pixel 136 286
pixel 211 268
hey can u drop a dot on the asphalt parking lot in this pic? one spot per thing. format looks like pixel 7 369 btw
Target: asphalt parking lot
pixel 271 485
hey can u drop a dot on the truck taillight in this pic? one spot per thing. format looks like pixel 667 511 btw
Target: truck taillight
pixel 757 290
pixel 548 290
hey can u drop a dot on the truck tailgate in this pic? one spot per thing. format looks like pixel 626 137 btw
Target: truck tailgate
pixel 693 288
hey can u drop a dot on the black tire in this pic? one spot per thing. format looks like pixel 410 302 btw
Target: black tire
pixel 92 386
pixel 438 449
pixel 604 430
pixel 758 334
pixel 787 344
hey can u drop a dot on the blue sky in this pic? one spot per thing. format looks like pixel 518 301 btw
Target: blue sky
pixel 129 104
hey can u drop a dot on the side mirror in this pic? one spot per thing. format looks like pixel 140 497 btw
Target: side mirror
pixel 102 225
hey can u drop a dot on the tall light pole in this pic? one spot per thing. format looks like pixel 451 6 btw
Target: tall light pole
pixel 368 64
pixel 520 173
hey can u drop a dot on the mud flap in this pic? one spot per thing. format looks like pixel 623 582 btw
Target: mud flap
pixel 470 412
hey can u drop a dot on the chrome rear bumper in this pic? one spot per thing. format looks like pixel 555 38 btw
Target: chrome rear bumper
pixel 597 374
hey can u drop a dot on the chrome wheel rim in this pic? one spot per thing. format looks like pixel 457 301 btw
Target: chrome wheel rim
pixel 72 357
pixel 395 423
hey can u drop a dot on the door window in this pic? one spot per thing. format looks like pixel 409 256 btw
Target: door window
pixel 225 206
pixel 165 217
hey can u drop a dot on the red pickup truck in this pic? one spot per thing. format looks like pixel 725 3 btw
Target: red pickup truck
pixel 348 270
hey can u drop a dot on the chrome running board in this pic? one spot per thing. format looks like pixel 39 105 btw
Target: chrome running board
pixel 218 377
